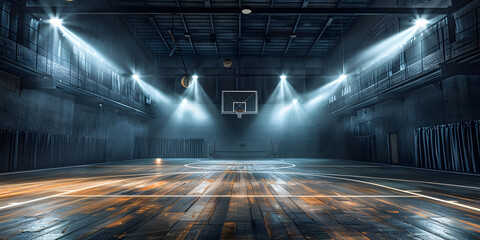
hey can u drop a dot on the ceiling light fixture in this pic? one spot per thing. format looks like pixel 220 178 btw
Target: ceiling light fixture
pixel 421 22
pixel 57 22
pixel 246 10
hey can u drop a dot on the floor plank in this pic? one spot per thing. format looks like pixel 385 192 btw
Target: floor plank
pixel 239 199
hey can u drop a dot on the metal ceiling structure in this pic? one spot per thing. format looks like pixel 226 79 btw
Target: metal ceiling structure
pixel 217 27
pixel 226 34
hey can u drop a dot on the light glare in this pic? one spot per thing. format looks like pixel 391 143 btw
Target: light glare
pixel 342 78
pixel 421 22
pixel 295 101
pixel 57 22
pixel 283 77
pixel 184 101
pixel 195 77
pixel 135 77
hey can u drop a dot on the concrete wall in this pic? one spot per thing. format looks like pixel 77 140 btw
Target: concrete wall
pixel 458 101
pixel 53 112
pixel 295 133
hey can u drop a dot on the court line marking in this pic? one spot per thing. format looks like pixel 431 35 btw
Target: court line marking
pixel 16 204
pixel 454 203
pixel 240 196
pixel 404 180
pixel 233 161
pixel 239 171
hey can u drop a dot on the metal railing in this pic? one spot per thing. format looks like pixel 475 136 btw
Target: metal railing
pixel 79 73
pixel 419 57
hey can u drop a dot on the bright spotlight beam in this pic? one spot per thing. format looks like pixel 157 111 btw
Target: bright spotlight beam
pixel 135 77
pixel 283 77
pixel 421 22
pixel 57 22
pixel 295 101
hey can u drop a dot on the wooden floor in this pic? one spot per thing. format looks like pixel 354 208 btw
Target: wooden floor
pixel 227 199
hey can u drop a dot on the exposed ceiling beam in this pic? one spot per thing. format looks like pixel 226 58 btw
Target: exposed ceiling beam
pixel 212 24
pixel 142 10
pixel 239 30
pixel 154 24
pixel 267 29
pixel 239 35
pixel 304 5
pixel 213 31
pixel 327 24
pixel 186 29
pixel 293 32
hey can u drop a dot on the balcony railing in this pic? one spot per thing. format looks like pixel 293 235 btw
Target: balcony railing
pixel 421 56
pixel 99 80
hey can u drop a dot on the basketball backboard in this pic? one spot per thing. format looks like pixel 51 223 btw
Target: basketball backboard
pixel 239 102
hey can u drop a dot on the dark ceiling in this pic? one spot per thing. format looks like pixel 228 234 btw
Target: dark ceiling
pixel 238 34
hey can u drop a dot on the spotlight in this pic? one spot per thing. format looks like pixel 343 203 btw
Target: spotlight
pixel 283 77
pixel 342 78
pixel 421 22
pixel 57 22
pixel 135 77
pixel 295 101
pixel 158 160
pixel 184 101
pixel 195 77
pixel 246 10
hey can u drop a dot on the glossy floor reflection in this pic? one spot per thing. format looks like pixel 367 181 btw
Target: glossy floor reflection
pixel 235 199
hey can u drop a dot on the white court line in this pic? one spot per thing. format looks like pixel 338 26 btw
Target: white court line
pixel 454 203
pixel 252 171
pixel 241 196
pixel 15 204
pixel 401 180
pixel 219 164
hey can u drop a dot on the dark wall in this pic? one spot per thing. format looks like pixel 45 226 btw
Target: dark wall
pixel 52 112
pixel 295 134
pixel 457 101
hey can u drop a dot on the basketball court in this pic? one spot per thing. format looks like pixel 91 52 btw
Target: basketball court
pixel 241 119
pixel 239 199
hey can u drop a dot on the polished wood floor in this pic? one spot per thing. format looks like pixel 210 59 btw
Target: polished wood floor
pixel 227 199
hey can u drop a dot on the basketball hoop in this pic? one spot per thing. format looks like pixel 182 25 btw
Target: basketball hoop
pixel 239 112
pixel 239 102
